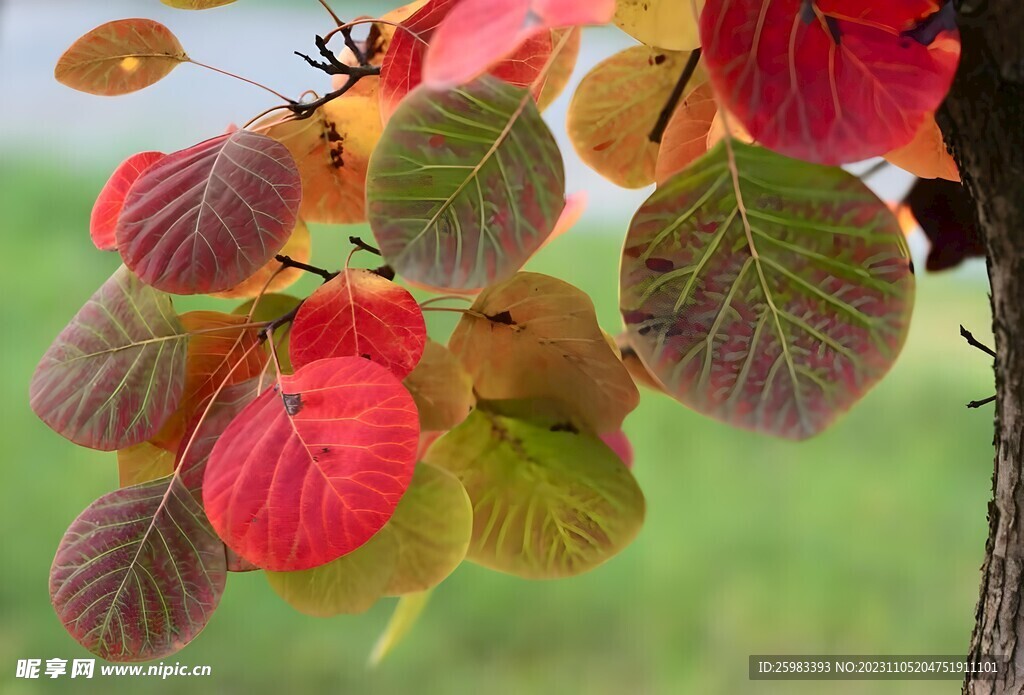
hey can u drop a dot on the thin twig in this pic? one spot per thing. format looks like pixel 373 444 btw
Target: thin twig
pixel 289 262
pixel 873 169
pixel 978 404
pixel 673 100
pixel 362 245
pixel 974 343
pixel 331 12
pixel 271 326
pixel 243 79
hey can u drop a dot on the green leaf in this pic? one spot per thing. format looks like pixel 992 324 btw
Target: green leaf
pixel 407 613
pixel 535 336
pixel 764 291
pixel 465 184
pixel 116 372
pixel 548 502
pixel 433 525
pixel 351 584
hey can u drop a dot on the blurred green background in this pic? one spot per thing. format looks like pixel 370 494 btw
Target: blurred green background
pixel 866 539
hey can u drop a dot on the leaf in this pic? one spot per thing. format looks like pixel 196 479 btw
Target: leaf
pixel 833 81
pixel 208 425
pixel 360 314
pixel 926 155
pixel 766 292
pixel 432 526
pixel 313 468
pixel 616 106
pixel 196 4
pixel 406 614
pixel 477 34
pixel 115 374
pixel 332 151
pixel 947 215
pixel 575 206
pixel 442 389
pixel 666 24
pixel 535 336
pixel 350 584
pixel 686 136
pixel 401 70
pixel 120 57
pixel 271 277
pixel 634 365
pixel 223 350
pixel 382 33
pixel 465 185
pixel 546 504
pixel 618 442
pixel 563 63
pixel 105 212
pixel 142 463
pixel 139 572
pixel 206 218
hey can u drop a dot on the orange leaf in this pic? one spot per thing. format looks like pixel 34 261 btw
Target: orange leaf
pixel 926 155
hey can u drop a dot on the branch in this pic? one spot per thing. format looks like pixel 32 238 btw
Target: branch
pixel 978 404
pixel 271 326
pixel 362 245
pixel 673 100
pixel 974 343
pixel 289 262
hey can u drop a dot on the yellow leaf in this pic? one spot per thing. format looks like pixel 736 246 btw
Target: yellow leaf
pixel 668 24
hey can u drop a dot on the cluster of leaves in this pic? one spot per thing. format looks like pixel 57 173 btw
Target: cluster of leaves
pixel 327 440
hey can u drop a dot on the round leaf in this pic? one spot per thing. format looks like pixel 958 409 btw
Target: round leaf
pixel 686 136
pixel 120 57
pixel 206 218
pixel 432 525
pixel 562 65
pixel 314 467
pixel 615 108
pixel 832 81
pixel 535 336
pixel 103 221
pixel 360 314
pixel 442 389
pixel 116 373
pixel 766 292
pixel 139 572
pixel 465 185
pixel 547 502
pixel 271 278
pixel 350 584
pixel 667 24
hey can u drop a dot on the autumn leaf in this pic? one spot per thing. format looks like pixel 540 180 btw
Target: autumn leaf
pixel 272 277
pixel 103 221
pixel 615 108
pixel 686 136
pixel 465 185
pixel 208 217
pixel 120 57
pixel 562 66
pixel 441 387
pixel 360 314
pixel 833 81
pixel 337 445
pixel 667 24
pixel 766 292
pixel 142 463
pixel 116 372
pixel 547 502
pixel 926 155
pixel 534 336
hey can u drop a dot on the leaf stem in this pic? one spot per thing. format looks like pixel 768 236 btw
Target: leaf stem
pixel 331 12
pixel 363 246
pixel 289 262
pixel 673 100
pixel 243 79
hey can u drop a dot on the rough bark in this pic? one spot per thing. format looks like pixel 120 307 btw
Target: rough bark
pixel 983 120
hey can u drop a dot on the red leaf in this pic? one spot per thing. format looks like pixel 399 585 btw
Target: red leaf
pixel 403 64
pixel 833 81
pixel 618 442
pixel 360 314
pixel 108 205
pixel 204 219
pixel 478 33
pixel 314 467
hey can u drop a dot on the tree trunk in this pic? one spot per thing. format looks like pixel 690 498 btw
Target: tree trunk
pixel 983 120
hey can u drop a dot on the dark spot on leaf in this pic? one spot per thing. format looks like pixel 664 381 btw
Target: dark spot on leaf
pixel 659 265
pixel 833 28
pixel 659 59
pixel 436 141
pixel 807 11
pixel 602 146
pixel 503 317
pixel 564 427
pixel 335 147
pixel 292 403
pixel 928 29
pixel 324 450
pixel 367 356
